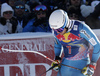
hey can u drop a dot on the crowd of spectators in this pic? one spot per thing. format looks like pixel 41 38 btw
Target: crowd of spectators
pixel 17 16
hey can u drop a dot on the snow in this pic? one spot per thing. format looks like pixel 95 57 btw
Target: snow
pixel 26 35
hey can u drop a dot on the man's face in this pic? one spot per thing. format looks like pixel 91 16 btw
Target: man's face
pixel 75 2
pixel 41 14
pixel 73 16
pixel 19 10
pixel 8 14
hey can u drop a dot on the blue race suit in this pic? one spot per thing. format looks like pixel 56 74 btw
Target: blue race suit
pixel 75 43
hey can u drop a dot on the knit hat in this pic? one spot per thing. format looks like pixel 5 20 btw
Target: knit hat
pixel 94 4
pixel 27 7
pixel 19 3
pixel 5 7
pixel 86 10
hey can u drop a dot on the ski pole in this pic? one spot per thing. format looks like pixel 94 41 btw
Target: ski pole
pixel 49 69
pixel 29 52
pixel 39 54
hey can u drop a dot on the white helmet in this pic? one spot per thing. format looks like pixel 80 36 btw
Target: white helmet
pixel 58 19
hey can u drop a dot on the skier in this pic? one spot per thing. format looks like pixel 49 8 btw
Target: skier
pixel 74 36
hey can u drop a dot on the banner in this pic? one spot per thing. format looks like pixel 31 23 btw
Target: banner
pixel 26 64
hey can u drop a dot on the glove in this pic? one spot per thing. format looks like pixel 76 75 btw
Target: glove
pixel 56 65
pixel 89 69
pixel 40 21
pixel 2 20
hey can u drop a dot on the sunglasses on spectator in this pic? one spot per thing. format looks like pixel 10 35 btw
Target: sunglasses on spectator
pixel 19 7
pixel 40 7
pixel 8 12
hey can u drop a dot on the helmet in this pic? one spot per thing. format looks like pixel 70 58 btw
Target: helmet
pixel 58 19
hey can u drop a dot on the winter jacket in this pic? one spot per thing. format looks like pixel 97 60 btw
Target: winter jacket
pixel 36 25
pixel 8 26
pixel 93 19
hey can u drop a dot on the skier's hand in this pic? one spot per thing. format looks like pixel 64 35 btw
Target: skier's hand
pixel 56 63
pixel 89 69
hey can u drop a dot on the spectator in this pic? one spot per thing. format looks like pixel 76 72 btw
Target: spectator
pixel 33 4
pixel 93 20
pixel 8 23
pixel 1 2
pixel 11 3
pixel 32 7
pixel 40 22
pixel 52 5
pixel 73 13
pixel 94 3
pixel 77 4
pixel 64 4
pixel 20 15
pixel 27 9
pixel 86 10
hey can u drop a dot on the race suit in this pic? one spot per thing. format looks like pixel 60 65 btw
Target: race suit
pixel 75 43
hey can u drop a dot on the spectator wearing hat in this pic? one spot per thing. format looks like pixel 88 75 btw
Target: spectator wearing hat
pixel 93 20
pixel 86 10
pixel 19 8
pixel 77 4
pixel 27 9
pixel 8 23
pixel 40 22
pixel 72 12
pixel 94 4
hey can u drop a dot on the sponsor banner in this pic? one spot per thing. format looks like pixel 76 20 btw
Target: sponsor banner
pixel 26 64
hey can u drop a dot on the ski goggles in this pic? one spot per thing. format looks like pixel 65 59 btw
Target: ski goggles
pixel 59 30
pixel 19 7
pixel 41 7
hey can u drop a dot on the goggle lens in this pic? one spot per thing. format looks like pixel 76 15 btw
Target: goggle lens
pixel 41 7
pixel 59 30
